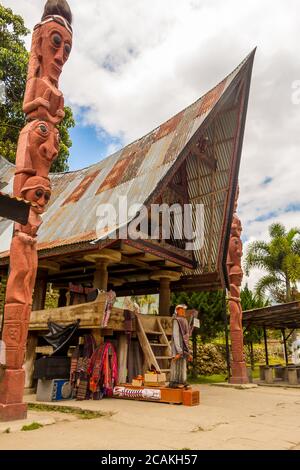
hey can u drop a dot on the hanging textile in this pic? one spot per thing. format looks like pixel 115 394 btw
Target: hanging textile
pixel 79 368
pixel 80 294
pixel 103 371
pixel 110 300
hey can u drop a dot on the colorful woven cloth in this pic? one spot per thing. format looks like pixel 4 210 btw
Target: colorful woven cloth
pixel 103 371
pixel 79 368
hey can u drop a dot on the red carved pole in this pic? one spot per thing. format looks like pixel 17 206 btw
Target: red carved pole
pixel 37 148
pixel 234 265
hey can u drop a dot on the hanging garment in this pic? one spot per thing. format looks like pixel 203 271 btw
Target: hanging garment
pixel 103 371
pixel 79 368
pixel 80 294
pixel 110 300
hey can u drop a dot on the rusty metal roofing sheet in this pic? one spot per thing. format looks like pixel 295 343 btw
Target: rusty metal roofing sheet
pixel 134 171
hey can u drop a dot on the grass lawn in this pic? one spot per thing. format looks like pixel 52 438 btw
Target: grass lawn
pixel 207 379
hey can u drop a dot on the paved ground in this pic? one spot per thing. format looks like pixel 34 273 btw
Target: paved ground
pixel 259 418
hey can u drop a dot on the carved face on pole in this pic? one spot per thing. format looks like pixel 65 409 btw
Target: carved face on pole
pixel 43 146
pixel 236 275
pixel 38 191
pixel 53 43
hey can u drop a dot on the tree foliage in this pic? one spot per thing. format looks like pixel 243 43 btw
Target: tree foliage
pixel 280 258
pixel 250 301
pixel 13 71
pixel 148 300
pixel 211 306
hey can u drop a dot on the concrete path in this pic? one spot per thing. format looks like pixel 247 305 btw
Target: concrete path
pixel 258 418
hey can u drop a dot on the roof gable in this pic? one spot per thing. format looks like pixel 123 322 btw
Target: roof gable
pixel 135 171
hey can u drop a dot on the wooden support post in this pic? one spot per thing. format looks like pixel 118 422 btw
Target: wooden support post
pixel 226 335
pixel 122 358
pixel 101 275
pixel 62 299
pixel 266 346
pixel 40 290
pixel 252 355
pixel 164 297
pixel 38 303
pixel 195 351
pixel 102 260
pixel 285 347
pixel 164 278
pixel 32 343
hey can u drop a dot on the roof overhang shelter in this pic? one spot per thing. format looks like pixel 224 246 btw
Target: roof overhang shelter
pixel 276 317
pixel 193 158
pixel 14 208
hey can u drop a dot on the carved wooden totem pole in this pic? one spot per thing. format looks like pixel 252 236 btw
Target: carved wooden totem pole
pixel 235 272
pixel 37 148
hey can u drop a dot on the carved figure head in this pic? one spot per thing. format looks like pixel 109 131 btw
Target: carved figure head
pixel 51 42
pixel 43 145
pixel 236 226
pixel 38 191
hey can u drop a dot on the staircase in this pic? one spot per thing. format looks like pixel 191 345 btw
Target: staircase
pixel 154 344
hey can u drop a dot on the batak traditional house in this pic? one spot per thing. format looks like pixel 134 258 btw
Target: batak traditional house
pixel 193 158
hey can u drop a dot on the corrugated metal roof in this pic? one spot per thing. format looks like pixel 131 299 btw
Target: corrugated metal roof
pixel 135 172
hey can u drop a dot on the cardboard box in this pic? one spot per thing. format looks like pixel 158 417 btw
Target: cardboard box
pixel 137 383
pixel 155 378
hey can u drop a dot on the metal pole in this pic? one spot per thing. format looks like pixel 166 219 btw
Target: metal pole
pixel 266 346
pixel 226 334
pixel 252 355
pixel 194 340
pixel 285 348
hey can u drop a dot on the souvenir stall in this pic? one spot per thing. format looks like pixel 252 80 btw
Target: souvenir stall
pixel 130 355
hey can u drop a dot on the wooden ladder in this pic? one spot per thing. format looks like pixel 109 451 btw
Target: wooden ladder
pixel 154 344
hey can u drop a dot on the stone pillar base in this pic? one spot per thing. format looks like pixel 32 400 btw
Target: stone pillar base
pixel 239 373
pixel 12 386
pixel 13 411
pixel 11 395
pixel 292 377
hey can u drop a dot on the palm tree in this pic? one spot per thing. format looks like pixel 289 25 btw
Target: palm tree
pixel 280 258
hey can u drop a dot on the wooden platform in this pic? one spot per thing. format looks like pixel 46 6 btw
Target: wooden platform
pixel 157 394
pixel 90 315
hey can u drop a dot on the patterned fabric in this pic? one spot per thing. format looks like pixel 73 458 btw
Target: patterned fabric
pixel 178 372
pixel 185 332
pixel 103 371
pixel 79 368
pixel 110 300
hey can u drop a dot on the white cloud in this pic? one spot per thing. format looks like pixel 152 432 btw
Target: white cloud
pixel 137 62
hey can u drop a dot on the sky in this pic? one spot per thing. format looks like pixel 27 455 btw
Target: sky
pixel 135 63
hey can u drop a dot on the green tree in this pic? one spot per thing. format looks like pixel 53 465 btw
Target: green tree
pixel 13 71
pixel 250 301
pixel 211 311
pixel 142 300
pixel 280 258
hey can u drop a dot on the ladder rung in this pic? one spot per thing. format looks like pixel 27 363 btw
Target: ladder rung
pixel 150 332
pixel 164 345
pixel 163 357
pixel 165 370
